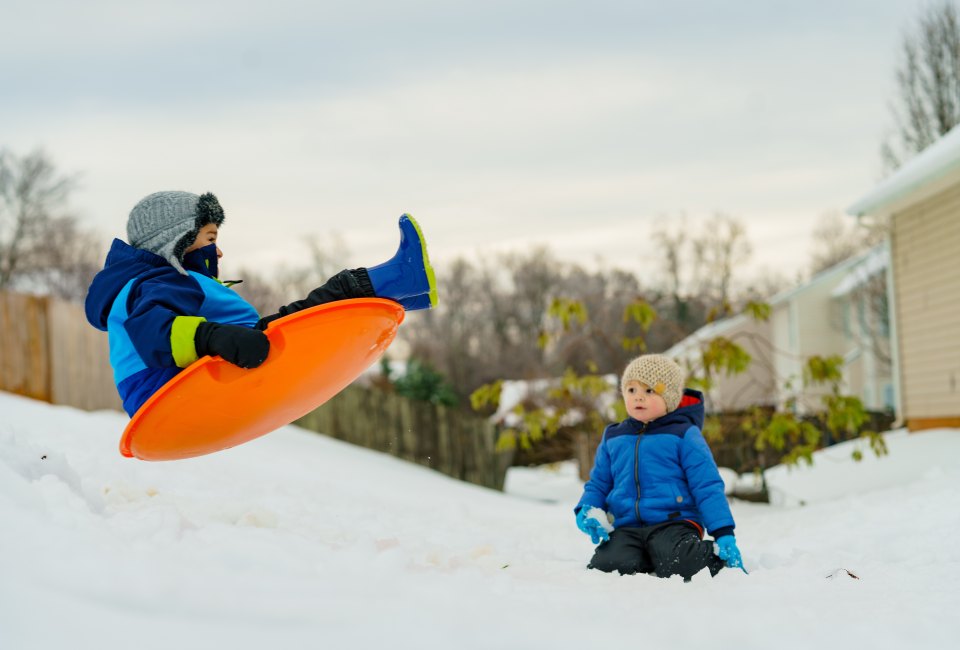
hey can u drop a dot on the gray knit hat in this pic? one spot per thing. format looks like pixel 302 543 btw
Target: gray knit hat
pixel 166 223
pixel 660 373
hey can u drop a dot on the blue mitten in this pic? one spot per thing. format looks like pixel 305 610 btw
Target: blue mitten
pixel 729 553
pixel 587 522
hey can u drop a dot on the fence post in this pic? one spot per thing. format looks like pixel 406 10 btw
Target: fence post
pixel 24 351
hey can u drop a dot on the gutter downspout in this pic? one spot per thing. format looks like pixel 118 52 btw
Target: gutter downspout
pixel 893 316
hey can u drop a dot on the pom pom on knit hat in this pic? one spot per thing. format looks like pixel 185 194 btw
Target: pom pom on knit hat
pixel 166 223
pixel 660 373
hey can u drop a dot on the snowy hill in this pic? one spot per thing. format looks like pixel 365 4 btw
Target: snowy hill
pixel 299 541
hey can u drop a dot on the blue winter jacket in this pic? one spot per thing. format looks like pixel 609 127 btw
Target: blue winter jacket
pixel 151 313
pixel 661 471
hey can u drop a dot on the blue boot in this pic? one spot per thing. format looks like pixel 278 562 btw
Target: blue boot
pixel 407 277
pixel 419 301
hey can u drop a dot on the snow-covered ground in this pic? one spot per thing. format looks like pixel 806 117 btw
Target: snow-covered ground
pixel 299 541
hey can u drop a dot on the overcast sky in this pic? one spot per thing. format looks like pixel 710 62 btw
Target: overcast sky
pixel 498 124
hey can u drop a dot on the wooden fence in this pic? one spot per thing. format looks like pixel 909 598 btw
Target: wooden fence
pixel 49 352
pixel 443 439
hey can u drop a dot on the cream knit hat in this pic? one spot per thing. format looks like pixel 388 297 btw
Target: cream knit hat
pixel 660 373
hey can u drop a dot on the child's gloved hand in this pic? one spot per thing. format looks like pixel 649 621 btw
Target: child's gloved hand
pixel 729 553
pixel 241 346
pixel 589 521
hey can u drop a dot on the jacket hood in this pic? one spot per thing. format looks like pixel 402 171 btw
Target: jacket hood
pixel 124 262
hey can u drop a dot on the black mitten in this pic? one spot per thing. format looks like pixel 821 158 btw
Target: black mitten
pixel 348 283
pixel 241 346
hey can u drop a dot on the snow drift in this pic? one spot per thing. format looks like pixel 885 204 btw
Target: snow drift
pixel 296 540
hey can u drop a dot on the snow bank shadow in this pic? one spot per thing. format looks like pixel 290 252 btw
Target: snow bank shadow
pixel 33 474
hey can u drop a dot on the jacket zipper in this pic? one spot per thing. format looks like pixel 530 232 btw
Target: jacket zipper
pixel 636 473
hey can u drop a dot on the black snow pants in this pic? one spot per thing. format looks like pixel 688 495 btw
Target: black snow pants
pixel 349 283
pixel 667 549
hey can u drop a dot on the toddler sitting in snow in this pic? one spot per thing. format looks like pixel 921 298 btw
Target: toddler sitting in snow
pixel 654 486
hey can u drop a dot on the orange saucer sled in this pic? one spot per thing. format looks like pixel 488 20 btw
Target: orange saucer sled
pixel 214 405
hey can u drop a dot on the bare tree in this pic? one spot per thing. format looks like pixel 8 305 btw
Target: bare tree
pixel 720 248
pixel 535 279
pixel 456 337
pixel 260 290
pixel 328 255
pixel 493 313
pixel 66 264
pixel 837 237
pixel 43 248
pixel 596 346
pixel 765 285
pixel 267 292
pixel 490 319
pixel 671 247
pixel 30 191
pixel 700 268
pixel 928 82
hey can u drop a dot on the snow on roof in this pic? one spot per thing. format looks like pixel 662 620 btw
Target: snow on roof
pixel 875 262
pixel 859 269
pixel 825 275
pixel 709 331
pixel 932 163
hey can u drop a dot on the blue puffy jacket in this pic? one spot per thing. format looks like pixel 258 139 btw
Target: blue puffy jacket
pixel 649 474
pixel 151 312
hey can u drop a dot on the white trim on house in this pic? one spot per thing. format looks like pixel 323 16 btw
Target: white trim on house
pixel 894 339
pixel 876 261
pixel 873 261
pixel 939 160
pixel 823 276
pixel 790 337
pixel 681 349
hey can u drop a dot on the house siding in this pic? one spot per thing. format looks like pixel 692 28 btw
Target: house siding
pixel 926 260
pixel 756 386
pixel 730 393
pixel 805 324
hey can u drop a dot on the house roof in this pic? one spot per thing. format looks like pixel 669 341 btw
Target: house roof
pixel 934 162
pixel 876 261
pixel 825 275
pixel 858 269
pixel 709 331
